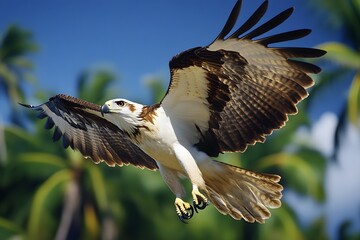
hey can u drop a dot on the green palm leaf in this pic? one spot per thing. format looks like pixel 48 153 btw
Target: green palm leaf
pixel 341 54
pixel 303 171
pixel 9 230
pixel 47 196
pixel 354 100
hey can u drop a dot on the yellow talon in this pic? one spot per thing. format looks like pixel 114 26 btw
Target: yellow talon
pixel 183 209
pixel 200 201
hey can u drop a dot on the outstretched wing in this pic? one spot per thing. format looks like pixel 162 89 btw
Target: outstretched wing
pixel 237 90
pixel 82 127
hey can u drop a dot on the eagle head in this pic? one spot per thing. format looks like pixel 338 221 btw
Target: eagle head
pixel 122 113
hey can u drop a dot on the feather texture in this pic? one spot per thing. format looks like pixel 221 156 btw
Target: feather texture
pixel 82 127
pixel 251 88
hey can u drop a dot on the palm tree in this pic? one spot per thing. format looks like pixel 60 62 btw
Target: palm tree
pixel 343 65
pixel 60 178
pixel 15 44
pixel 344 58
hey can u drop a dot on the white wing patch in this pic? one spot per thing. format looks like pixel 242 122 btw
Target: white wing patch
pixel 188 105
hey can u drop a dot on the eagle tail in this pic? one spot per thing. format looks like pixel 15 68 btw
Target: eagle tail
pixel 241 193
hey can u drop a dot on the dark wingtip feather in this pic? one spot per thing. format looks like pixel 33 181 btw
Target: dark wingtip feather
pixel 272 23
pixel 252 21
pixel 319 52
pixel 231 21
pixel 26 105
pixel 286 36
pixel 49 123
pixel 304 66
pixel 299 52
pixel 42 115
pixel 57 134
pixel 65 141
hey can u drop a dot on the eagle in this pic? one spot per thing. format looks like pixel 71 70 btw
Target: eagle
pixel 221 98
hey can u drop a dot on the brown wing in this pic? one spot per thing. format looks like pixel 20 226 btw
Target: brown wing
pixel 237 90
pixel 82 127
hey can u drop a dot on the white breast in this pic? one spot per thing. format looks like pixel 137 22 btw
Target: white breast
pixel 158 140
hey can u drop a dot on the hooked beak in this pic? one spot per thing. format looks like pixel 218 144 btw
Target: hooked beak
pixel 104 109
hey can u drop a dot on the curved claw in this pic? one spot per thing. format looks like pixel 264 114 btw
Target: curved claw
pixel 184 210
pixel 182 219
pixel 199 200
pixel 202 205
pixel 186 216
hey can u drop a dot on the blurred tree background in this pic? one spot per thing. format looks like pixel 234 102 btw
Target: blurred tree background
pixel 47 192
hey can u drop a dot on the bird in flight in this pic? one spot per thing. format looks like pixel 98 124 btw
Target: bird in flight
pixel 221 98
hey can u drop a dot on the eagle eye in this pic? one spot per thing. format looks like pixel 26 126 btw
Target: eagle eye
pixel 120 103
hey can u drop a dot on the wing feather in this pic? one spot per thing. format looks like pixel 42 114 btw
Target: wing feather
pixel 252 21
pixel 272 23
pixel 299 52
pixel 285 36
pixel 80 125
pixel 231 21
pixel 241 89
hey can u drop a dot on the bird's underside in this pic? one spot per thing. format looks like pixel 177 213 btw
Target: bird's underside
pixel 221 98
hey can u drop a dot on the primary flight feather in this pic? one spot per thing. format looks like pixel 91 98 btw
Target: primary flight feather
pixel 221 98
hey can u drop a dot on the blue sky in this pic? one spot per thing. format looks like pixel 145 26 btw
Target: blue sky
pixel 136 39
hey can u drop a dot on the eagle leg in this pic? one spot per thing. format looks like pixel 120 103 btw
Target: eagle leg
pixel 184 210
pixel 199 200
